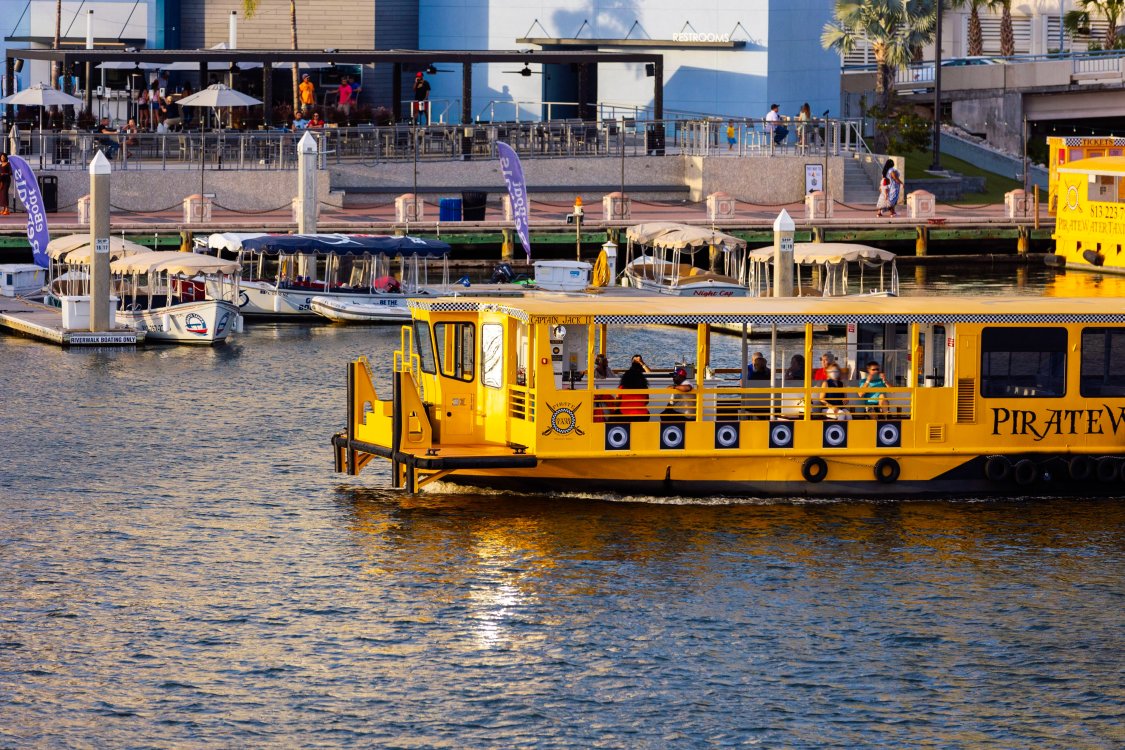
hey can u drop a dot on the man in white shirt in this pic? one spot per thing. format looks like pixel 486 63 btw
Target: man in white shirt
pixel 774 126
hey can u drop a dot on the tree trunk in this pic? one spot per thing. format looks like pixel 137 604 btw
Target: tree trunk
pixel 976 37
pixel 1111 34
pixel 1007 37
pixel 296 76
pixel 58 41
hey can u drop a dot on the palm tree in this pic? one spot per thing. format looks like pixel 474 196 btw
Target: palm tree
pixel 1007 36
pixel 976 37
pixel 895 29
pixel 1078 21
pixel 250 7
pixel 58 41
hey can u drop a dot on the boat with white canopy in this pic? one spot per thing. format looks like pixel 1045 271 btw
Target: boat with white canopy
pixel 177 297
pixel 70 257
pixel 668 267
pixel 282 273
pixel 828 269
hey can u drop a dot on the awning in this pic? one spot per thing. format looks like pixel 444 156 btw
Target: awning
pixel 340 244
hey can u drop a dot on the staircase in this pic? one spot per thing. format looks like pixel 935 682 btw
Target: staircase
pixel 859 191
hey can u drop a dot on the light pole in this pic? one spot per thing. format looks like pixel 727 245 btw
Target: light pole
pixel 936 165
pixel 578 227
pixel 824 178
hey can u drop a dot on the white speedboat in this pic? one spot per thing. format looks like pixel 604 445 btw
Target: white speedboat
pixel 177 297
pixel 283 273
pixel 668 266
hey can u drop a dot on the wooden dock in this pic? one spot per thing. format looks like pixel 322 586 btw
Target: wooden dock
pixel 44 322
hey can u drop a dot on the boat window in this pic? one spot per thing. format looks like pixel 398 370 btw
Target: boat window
pixel 492 355
pixel 456 349
pixel 1103 189
pixel 424 346
pixel 1023 362
pixel 1103 357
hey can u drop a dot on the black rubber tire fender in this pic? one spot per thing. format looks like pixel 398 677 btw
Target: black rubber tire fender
pixel 1025 472
pixel 1080 468
pixel 997 469
pixel 1107 469
pixel 887 470
pixel 814 469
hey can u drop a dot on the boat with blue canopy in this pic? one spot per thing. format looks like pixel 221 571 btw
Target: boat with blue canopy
pixel 283 273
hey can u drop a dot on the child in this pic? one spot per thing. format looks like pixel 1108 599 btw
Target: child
pixel 730 136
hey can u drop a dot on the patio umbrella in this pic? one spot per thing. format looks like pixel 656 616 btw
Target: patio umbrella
pixel 41 95
pixel 219 95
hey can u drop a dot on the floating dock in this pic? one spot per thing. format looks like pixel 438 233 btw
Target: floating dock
pixel 44 322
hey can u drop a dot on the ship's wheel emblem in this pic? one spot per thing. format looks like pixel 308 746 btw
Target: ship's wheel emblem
pixel 1072 197
pixel 564 420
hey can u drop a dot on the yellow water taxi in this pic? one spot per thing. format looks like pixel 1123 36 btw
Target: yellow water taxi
pixel 1087 198
pixel 1005 395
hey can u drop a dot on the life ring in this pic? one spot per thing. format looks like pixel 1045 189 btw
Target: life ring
pixel 997 468
pixel 814 469
pixel 726 436
pixel 1025 472
pixel 1107 469
pixel 887 470
pixel 1080 468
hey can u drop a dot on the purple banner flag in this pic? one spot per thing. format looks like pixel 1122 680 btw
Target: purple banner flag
pixel 517 192
pixel 28 191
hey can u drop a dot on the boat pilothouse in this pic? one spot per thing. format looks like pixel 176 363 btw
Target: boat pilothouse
pixel 925 396
pixel 283 273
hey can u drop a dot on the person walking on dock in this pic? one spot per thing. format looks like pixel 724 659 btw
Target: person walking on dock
pixel 889 189
pixel 5 184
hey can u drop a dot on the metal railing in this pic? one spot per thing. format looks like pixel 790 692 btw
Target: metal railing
pixel 277 149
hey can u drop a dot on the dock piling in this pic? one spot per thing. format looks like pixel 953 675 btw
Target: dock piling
pixel 306 184
pixel 783 229
pixel 922 241
pixel 100 170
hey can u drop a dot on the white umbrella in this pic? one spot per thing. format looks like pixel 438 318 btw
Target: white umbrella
pixel 41 95
pixel 219 95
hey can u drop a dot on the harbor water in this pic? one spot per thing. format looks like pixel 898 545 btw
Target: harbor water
pixel 182 568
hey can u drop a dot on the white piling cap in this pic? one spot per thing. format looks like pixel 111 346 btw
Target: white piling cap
pixel 784 222
pixel 99 164
pixel 307 144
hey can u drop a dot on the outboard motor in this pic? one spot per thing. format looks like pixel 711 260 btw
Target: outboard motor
pixel 503 274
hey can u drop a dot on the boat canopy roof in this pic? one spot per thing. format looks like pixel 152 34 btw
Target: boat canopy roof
pixel 813 253
pixel 167 261
pixel 340 244
pixel 1095 165
pixel 669 235
pixel 75 248
pixel 641 310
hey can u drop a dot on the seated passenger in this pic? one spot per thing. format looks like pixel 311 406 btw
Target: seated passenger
pixel 633 407
pixel 875 403
pixel 832 399
pixel 759 369
pixel 796 369
pixel 681 407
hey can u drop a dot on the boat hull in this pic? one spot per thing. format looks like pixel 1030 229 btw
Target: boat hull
pixel 258 299
pixel 202 322
pixel 385 309
pixel 703 289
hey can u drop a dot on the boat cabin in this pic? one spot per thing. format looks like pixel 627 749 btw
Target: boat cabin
pixel 1090 214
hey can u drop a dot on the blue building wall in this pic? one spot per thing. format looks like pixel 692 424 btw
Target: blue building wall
pixel 782 60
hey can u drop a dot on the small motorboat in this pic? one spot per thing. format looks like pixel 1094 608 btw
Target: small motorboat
pixel 669 265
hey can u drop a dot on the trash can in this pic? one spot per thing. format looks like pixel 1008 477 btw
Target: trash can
pixel 49 188
pixel 654 139
pixel 449 209
pixel 473 205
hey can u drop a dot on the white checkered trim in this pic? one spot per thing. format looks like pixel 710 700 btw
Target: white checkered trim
pixel 763 320
pixel 466 306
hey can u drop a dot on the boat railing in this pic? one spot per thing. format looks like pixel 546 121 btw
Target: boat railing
pixel 521 403
pixel 716 402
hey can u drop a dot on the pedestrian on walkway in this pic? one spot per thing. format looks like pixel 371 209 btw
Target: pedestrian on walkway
pixel 5 184
pixel 889 189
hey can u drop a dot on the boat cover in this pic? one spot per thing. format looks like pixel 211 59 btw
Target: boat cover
pixel 75 248
pixel 671 236
pixel 189 264
pixel 341 244
pixel 811 253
